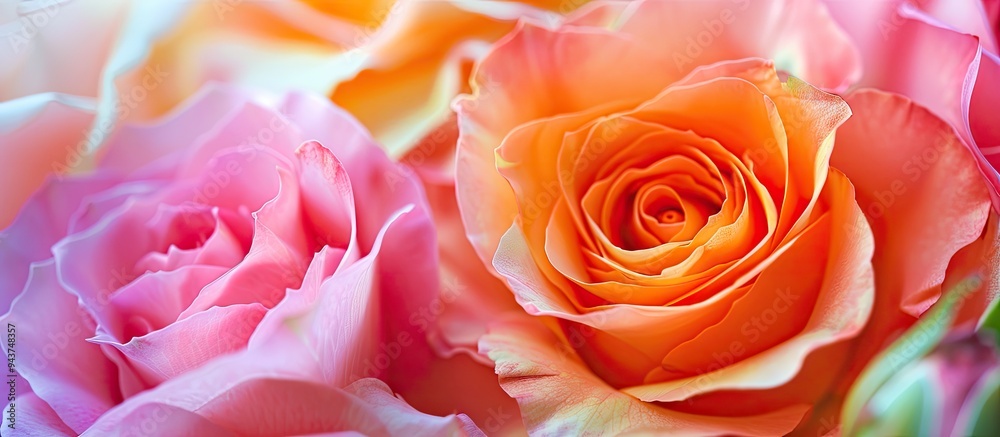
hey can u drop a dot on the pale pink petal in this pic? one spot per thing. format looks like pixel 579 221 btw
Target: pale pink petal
pixel 154 300
pixel 466 384
pixel 224 246
pixel 964 16
pixel 472 297
pixel 271 391
pixel 35 418
pixel 43 221
pixel 70 374
pixel 982 116
pixel 400 418
pixel 384 186
pixel 211 114
pixel 354 310
pixel 328 204
pixel 276 260
pixel 36 53
pixel 188 343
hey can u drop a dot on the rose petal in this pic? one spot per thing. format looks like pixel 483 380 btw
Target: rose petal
pixel 43 221
pixel 188 343
pixel 894 179
pixel 35 418
pixel 67 372
pixel 559 395
pixel 34 147
pixel 899 155
pixel 274 392
pixel 37 58
pixel 264 398
pixel 557 85
pixel 799 35
pixel 276 257
pixel 887 32
pixel 822 319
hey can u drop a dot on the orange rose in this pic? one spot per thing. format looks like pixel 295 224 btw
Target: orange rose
pixel 394 64
pixel 716 246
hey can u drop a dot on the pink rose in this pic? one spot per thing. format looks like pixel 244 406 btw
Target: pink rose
pixel 941 54
pixel 249 265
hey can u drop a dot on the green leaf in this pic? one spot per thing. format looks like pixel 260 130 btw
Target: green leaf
pixel 984 407
pixel 991 320
pixel 912 345
pixel 904 405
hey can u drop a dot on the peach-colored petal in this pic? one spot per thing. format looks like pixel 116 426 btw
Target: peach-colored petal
pixel 548 90
pixel 900 157
pixel 980 259
pixel 415 64
pixel 895 175
pixel 559 395
pixel 799 35
pixel 506 96
pixel 43 135
pixel 645 328
pixel 815 304
pixel 150 72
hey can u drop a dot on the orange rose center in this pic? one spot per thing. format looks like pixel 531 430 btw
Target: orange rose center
pixel 671 216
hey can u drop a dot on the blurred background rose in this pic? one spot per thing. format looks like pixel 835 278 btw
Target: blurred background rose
pixel 942 54
pixel 395 64
pixel 938 378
